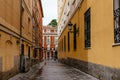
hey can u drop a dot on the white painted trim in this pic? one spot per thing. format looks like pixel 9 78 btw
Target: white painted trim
pixel 115 44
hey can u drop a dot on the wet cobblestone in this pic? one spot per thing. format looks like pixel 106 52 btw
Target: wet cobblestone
pixel 53 70
pixel 56 71
pixel 31 74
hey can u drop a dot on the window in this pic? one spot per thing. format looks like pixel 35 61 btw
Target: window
pixel 48 39
pixel 22 49
pixel 29 52
pixel 64 43
pixel 73 2
pixel 74 40
pixel 35 53
pixel 117 21
pixel 29 25
pixel 22 14
pixel 56 39
pixel 55 30
pixel 68 4
pixel 68 41
pixel 87 29
pixel 60 46
pixel 68 13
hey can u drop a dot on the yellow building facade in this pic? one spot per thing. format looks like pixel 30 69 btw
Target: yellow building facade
pixel 10 36
pixel 93 44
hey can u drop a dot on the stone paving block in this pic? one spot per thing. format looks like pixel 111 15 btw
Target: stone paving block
pixel 57 71
pixel 30 75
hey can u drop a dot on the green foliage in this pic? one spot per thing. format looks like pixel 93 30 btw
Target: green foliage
pixel 53 23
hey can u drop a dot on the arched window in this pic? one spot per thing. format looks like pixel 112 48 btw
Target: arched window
pixel 8 42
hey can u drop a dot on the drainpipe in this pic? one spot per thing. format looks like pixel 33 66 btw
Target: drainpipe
pixel 21 59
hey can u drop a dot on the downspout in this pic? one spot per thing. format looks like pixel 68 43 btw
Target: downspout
pixel 21 65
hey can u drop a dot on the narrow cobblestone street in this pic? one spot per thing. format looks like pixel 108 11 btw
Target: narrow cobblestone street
pixel 54 70
pixel 60 40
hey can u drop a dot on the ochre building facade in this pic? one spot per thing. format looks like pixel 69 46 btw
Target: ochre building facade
pixel 16 29
pixel 93 43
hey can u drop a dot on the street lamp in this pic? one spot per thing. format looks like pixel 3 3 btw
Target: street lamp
pixel 70 25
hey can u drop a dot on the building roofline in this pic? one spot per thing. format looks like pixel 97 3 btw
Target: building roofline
pixel 41 7
pixel 50 27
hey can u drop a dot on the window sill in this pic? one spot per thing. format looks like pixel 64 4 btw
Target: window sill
pixel 87 48
pixel 116 44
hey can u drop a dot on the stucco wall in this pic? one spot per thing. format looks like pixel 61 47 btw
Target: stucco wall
pixel 102 35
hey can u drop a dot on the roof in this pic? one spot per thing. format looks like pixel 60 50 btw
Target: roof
pixel 49 27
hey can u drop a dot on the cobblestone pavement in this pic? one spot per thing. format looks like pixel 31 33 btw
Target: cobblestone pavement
pixel 31 74
pixel 57 71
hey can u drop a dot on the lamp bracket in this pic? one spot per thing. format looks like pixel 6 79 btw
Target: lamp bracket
pixel 75 31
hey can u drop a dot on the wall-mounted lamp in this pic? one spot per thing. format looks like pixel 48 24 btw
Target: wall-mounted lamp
pixel 70 26
pixel 75 30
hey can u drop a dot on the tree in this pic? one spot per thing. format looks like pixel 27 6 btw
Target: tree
pixel 53 23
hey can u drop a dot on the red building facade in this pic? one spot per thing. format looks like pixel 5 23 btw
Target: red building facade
pixel 49 41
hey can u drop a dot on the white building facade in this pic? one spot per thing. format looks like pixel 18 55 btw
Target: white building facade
pixel 66 9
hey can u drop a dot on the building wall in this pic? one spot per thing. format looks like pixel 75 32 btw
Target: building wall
pixel 40 26
pixel 102 57
pixel 49 40
pixel 38 15
pixel 9 36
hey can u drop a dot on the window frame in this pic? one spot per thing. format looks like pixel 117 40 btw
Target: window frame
pixel 68 41
pixel 116 13
pixel 87 28
pixel 75 38
pixel 64 43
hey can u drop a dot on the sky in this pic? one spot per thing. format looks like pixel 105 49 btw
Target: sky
pixel 49 10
